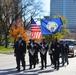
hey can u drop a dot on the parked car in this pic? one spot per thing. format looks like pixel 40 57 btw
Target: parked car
pixel 72 46
pixel 10 44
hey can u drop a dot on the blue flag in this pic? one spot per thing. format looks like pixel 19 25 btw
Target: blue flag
pixel 51 26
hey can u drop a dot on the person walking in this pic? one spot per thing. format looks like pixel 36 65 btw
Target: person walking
pixel 43 53
pixel 56 52
pixel 37 51
pixel 51 47
pixel 64 52
pixel 32 53
pixel 19 52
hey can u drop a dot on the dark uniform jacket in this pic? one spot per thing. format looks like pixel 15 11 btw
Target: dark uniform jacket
pixel 30 48
pixel 56 51
pixel 20 49
pixel 43 48
pixel 57 48
pixel 65 49
pixel 52 47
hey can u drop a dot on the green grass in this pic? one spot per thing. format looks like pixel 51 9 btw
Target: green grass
pixel 4 50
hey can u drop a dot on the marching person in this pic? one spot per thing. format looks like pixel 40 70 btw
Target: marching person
pixel 32 53
pixel 43 53
pixel 19 52
pixel 51 47
pixel 37 50
pixel 65 51
pixel 56 52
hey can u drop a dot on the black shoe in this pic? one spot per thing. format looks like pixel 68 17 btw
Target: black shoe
pixel 51 63
pixel 18 70
pixel 30 68
pixel 37 63
pixel 54 67
pixel 41 69
pixel 67 63
pixel 34 66
pixel 62 64
pixel 45 66
pixel 16 67
pixel 24 68
pixel 57 68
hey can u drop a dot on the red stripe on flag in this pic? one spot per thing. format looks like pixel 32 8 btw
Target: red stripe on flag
pixel 35 31
pixel 36 35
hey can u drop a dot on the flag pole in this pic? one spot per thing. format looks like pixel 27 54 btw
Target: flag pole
pixel 30 24
pixel 41 24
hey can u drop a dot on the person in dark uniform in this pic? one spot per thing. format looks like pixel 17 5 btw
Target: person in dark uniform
pixel 64 52
pixel 19 52
pixel 43 53
pixel 56 49
pixel 51 47
pixel 32 53
pixel 37 50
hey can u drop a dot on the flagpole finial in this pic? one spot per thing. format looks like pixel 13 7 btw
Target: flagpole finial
pixel 40 16
pixel 31 14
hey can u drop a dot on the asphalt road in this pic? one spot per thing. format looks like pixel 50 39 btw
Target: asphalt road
pixel 8 64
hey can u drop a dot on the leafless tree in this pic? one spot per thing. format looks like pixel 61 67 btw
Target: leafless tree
pixel 10 10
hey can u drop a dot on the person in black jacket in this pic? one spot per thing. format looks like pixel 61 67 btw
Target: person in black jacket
pixel 19 52
pixel 56 49
pixel 65 51
pixel 43 53
pixel 36 52
pixel 32 53
pixel 51 47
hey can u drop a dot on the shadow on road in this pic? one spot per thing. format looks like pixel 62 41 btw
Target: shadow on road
pixel 13 71
pixel 46 71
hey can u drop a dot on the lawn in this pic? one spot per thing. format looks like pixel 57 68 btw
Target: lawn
pixel 4 50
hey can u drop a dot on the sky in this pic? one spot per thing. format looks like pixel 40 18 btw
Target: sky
pixel 46 6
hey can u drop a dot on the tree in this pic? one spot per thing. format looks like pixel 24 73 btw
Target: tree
pixel 51 37
pixel 64 31
pixel 64 20
pixel 18 29
pixel 11 10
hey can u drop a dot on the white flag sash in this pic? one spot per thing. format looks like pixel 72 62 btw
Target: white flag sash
pixel 43 51
pixel 32 51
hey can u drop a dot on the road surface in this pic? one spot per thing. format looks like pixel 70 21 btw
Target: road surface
pixel 8 64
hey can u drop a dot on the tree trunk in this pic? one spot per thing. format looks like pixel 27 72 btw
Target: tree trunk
pixel 6 41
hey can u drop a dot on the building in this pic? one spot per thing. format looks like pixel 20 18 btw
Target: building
pixel 66 8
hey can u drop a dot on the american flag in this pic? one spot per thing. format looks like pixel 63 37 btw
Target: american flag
pixel 35 30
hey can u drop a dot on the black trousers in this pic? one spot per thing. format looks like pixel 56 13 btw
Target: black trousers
pixel 43 60
pixel 51 58
pixel 37 60
pixel 32 60
pixel 22 60
pixel 56 61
